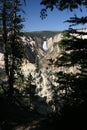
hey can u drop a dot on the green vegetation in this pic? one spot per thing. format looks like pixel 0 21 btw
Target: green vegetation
pixel 12 43
pixel 69 96
pixel 42 34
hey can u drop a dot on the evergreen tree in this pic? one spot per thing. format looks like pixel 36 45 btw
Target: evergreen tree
pixel 11 23
pixel 74 85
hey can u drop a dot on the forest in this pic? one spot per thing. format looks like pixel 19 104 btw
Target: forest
pixel 42 34
pixel 54 95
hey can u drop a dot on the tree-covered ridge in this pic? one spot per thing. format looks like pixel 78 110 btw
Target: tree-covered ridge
pixel 42 34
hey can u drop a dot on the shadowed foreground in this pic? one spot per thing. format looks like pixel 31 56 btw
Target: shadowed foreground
pixel 13 117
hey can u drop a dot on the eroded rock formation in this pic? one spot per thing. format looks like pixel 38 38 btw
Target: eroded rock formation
pixel 44 77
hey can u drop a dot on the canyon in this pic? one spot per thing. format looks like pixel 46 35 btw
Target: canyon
pixel 39 63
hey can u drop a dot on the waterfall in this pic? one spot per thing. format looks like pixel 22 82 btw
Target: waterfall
pixel 45 48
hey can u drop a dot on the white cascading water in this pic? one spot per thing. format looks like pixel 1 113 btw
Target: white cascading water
pixel 45 48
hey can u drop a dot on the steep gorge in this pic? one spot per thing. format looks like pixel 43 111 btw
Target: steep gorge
pixel 44 77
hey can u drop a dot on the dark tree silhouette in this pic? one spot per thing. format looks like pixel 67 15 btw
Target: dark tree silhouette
pixel 11 25
pixel 74 85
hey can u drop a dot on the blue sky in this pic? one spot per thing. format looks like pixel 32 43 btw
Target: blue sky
pixel 54 20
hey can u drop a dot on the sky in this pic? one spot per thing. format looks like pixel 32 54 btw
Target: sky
pixel 54 21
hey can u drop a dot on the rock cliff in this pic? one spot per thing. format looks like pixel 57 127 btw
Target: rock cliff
pixel 40 65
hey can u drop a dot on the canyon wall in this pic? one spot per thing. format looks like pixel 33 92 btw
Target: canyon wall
pixel 44 78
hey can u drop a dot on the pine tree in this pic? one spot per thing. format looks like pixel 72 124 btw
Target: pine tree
pixel 11 23
pixel 74 85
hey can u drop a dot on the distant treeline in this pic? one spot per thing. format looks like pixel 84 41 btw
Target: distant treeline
pixel 42 34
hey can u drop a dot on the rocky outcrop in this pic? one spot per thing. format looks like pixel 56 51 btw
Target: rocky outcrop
pixel 1 60
pixel 44 77
pixel 33 47
pixel 47 83
pixel 52 40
